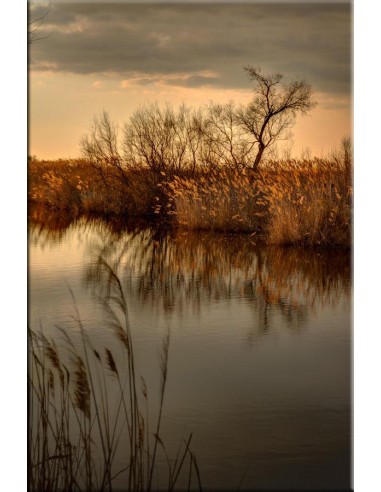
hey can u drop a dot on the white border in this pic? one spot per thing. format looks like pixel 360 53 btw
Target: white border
pixel 13 294
pixel 367 325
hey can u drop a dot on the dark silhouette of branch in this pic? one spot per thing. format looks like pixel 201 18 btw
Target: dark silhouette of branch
pixel 34 26
pixel 273 108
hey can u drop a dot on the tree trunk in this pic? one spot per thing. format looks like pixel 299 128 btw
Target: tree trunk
pixel 258 157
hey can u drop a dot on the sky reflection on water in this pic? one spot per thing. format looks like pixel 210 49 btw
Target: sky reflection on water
pixel 260 356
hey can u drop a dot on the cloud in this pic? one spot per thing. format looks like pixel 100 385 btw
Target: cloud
pixel 197 79
pixel 97 84
pixel 148 43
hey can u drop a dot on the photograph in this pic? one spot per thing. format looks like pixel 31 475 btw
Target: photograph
pixel 190 237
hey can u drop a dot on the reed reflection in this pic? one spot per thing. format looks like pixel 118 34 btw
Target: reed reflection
pixel 180 270
pixel 48 226
pixel 174 271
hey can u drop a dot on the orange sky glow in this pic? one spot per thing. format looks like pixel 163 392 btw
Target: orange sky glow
pixel 117 58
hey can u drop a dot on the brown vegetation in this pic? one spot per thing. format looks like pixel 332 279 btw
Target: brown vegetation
pixel 309 205
pixel 295 202
pixel 74 185
pixel 292 202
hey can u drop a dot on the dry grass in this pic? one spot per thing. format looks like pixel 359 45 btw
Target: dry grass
pixel 297 202
pixel 310 203
pixel 304 202
pixel 223 200
pixel 85 403
pixel 77 186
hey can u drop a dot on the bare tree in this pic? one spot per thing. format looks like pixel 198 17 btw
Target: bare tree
pixel 149 138
pixel 100 147
pixel 225 137
pixel 167 140
pixel 273 109
pixel 163 139
pixel 195 126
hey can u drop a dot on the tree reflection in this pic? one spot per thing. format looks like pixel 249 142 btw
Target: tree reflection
pixel 175 271
pixel 182 271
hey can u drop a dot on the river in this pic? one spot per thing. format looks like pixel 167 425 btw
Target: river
pixel 259 364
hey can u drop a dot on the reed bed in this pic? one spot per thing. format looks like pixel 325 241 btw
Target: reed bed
pixel 76 185
pixel 296 202
pixel 222 200
pixel 87 403
pixel 310 203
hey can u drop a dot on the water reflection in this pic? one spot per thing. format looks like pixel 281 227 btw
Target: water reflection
pixel 174 271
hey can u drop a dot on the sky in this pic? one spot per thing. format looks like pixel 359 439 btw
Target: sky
pixel 94 56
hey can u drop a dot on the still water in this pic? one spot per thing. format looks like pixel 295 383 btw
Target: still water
pixel 260 341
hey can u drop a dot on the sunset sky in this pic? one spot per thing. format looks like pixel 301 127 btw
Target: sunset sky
pixel 118 56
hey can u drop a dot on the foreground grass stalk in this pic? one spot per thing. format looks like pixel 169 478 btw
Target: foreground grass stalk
pixel 74 429
pixel 164 370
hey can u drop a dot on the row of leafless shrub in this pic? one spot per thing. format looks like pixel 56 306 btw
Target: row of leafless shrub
pixel 168 140
pixel 86 404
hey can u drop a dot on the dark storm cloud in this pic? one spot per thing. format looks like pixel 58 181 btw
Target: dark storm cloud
pixel 180 43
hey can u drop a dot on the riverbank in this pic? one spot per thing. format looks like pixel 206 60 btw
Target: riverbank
pixel 296 202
